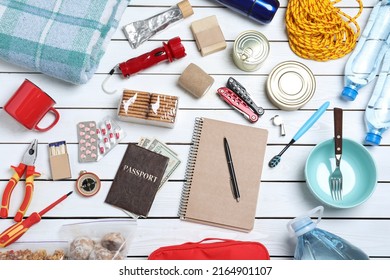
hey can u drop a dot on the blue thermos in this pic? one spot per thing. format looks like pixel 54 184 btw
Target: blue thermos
pixel 262 11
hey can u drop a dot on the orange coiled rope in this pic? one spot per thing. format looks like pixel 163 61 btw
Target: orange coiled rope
pixel 320 31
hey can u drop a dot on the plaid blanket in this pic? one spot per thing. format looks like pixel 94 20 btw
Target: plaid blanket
pixel 62 38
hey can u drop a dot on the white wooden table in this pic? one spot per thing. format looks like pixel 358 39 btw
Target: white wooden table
pixel 283 191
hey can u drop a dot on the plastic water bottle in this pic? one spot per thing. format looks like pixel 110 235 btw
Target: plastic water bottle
pixel 317 244
pixel 377 115
pixel 364 62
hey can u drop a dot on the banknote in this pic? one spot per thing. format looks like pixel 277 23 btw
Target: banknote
pixel 141 141
pixel 154 142
pixel 144 142
pixel 159 147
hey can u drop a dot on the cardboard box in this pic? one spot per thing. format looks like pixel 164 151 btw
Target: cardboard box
pixel 59 161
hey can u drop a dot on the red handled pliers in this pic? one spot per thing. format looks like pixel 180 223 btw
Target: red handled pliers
pixel 27 165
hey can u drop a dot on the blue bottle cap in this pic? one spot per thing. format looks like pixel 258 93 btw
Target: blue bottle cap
pixel 373 139
pixel 349 94
pixel 303 225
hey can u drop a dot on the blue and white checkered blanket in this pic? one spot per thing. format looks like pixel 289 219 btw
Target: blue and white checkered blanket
pixel 62 38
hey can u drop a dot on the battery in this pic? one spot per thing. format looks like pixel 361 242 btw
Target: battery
pixel 290 85
pixel 250 50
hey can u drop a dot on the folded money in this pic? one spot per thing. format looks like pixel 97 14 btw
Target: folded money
pixel 159 147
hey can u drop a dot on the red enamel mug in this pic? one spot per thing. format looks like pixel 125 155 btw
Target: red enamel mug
pixel 29 105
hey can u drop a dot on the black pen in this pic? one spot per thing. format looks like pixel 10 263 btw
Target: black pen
pixel 236 192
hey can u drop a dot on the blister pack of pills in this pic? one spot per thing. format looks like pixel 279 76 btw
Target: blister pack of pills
pixel 97 139
pixel 109 134
pixel 88 141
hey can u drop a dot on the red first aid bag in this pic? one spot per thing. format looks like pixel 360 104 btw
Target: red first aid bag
pixel 212 249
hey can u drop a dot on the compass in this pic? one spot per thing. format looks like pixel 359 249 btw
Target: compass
pixel 88 183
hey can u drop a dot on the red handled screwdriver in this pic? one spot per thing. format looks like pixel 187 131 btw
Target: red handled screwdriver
pixel 14 232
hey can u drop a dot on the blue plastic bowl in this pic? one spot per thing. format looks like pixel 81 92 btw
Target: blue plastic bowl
pixel 358 169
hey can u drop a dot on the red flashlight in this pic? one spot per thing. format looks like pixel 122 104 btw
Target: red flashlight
pixel 170 51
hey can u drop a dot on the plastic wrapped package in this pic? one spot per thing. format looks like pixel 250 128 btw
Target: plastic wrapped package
pixel 100 240
pixel 148 108
pixel 140 31
pixel 37 250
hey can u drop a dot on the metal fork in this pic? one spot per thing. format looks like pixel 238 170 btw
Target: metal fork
pixel 336 178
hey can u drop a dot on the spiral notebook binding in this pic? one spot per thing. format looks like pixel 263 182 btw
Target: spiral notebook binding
pixel 190 167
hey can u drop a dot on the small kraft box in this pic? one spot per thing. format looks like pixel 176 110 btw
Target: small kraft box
pixel 148 108
pixel 59 160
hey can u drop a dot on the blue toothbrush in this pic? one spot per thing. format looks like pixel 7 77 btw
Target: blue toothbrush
pixel 309 123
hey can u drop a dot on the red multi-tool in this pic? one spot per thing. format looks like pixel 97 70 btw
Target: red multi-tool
pixel 237 97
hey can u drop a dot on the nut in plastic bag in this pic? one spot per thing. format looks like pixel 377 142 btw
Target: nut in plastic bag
pixel 34 250
pixel 99 240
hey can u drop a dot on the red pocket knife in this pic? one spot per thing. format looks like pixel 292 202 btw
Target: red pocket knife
pixel 237 103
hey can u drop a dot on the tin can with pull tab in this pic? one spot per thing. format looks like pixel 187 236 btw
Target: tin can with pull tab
pixel 251 48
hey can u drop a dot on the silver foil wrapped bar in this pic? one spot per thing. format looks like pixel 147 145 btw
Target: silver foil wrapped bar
pixel 140 31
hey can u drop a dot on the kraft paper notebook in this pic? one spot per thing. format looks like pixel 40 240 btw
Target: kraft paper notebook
pixel 207 195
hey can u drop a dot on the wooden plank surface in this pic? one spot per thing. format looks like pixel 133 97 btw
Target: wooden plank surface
pixel 283 191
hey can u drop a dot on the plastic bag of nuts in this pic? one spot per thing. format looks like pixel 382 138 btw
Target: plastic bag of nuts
pixel 99 240
pixel 34 250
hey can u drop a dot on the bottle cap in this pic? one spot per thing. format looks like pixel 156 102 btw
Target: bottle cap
pixel 185 8
pixel 290 85
pixel 303 225
pixel 349 94
pixel 250 50
pixel 373 139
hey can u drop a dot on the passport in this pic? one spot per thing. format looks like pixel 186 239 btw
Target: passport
pixel 137 180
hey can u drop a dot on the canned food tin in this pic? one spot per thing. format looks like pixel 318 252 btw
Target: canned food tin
pixel 290 85
pixel 250 49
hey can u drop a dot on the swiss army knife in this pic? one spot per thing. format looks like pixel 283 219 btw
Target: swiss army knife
pixel 236 96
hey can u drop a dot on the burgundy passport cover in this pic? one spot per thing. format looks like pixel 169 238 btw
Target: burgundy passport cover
pixel 137 180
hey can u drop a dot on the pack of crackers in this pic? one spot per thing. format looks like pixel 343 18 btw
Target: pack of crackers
pixel 148 108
